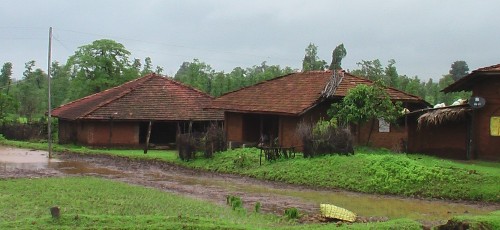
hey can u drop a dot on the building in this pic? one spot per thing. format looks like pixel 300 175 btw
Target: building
pixel 470 131
pixel 124 115
pixel 274 108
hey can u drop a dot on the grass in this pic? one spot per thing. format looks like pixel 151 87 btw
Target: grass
pixel 92 203
pixel 376 171
pixel 379 172
pixel 488 221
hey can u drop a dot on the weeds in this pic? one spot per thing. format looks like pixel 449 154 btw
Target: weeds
pixel 235 202
pixel 257 207
pixel 292 213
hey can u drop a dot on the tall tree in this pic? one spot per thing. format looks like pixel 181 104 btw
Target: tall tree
pixel 459 69
pixel 59 85
pixel 338 54
pixel 372 70
pixel 311 60
pixel 6 74
pixel 98 66
pixel 148 66
pixel 196 74
pixel 31 92
pixel 7 102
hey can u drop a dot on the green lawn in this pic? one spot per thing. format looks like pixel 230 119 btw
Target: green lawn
pixel 371 171
pixel 87 202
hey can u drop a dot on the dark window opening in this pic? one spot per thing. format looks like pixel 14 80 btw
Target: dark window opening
pixel 256 126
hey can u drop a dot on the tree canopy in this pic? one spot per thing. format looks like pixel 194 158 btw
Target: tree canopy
pixel 338 54
pixel 459 69
pixel 311 60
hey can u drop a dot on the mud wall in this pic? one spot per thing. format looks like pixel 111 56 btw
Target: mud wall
pixel 487 146
pixel 447 140
pixel 100 133
pixel 394 139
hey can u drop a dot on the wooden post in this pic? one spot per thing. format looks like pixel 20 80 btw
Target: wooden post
pixel 147 137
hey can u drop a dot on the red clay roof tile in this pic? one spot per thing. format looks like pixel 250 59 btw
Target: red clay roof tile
pixel 466 83
pixel 152 97
pixel 294 93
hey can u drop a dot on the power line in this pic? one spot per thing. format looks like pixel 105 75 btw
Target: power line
pixel 177 46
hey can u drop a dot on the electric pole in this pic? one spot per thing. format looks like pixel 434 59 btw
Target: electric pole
pixel 49 120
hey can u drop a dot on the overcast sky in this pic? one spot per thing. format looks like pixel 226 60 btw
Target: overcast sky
pixel 423 36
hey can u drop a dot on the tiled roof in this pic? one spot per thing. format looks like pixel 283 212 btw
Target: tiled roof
pixel 466 83
pixel 294 94
pixel 152 97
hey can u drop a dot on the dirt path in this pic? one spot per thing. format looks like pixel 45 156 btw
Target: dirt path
pixel 275 197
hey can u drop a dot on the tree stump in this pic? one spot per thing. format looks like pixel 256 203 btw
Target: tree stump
pixel 55 212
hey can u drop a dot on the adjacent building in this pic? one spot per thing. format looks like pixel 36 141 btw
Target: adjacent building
pixel 125 116
pixel 275 107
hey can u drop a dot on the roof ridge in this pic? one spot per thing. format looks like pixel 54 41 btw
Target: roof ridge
pixel 146 78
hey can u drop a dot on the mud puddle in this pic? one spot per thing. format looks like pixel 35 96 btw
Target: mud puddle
pixel 274 197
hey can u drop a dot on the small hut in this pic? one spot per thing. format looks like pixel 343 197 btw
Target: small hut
pixel 469 131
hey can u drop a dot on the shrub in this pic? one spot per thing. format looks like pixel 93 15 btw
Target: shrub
pixel 324 138
pixel 186 146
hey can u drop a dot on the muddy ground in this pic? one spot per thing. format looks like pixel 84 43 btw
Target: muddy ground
pixel 178 180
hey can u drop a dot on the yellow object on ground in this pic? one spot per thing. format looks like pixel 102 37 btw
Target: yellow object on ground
pixel 332 211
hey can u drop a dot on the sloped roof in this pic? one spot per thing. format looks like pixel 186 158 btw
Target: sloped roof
pixel 152 97
pixel 294 94
pixel 466 83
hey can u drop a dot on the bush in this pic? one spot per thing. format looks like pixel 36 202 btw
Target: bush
pixel 214 140
pixel 186 146
pixel 324 138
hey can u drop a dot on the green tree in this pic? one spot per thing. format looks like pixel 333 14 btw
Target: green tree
pixel 459 69
pixel 371 70
pixel 338 54
pixel 31 92
pixel 60 80
pixel 365 103
pixel 98 66
pixel 148 66
pixel 196 74
pixel 449 98
pixel 6 75
pixel 311 60
pixel 7 102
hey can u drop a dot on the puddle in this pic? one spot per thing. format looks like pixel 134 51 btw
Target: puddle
pixel 362 204
pixel 82 168
pixel 13 158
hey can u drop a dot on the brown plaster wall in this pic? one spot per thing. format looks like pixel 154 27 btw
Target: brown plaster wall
pixel 487 146
pixel 446 140
pixel 234 126
pixel 97 133
pixel 393 140
pixel 67 132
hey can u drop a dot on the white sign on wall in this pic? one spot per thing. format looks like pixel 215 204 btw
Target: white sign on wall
pixel 383 126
